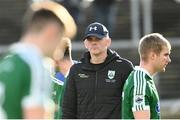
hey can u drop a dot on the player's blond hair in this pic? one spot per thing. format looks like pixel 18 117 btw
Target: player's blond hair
pixel 152 42
pixel 63 49
pixel 56 9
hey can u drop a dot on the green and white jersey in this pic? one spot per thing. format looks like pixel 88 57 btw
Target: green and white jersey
pixel 139 93
pixel 58 87
pixel 23 81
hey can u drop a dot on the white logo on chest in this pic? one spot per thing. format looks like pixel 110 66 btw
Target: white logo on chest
pixel 111 74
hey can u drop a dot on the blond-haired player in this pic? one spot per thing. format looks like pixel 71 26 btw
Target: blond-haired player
pixel 140 97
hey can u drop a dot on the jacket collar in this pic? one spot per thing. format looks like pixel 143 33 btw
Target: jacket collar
pixel 94 67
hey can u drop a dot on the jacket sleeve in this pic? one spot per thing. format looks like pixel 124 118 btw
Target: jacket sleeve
pixel 69 102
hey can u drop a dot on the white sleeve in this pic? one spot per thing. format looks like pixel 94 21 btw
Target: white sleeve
pixel 40 86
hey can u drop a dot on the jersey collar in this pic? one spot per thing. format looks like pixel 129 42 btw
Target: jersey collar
pixel 144 70
pixel 25 48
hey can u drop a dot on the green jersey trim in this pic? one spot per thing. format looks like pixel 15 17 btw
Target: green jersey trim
pixel 59 82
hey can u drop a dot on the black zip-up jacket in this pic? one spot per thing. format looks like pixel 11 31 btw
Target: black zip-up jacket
pixel 94 91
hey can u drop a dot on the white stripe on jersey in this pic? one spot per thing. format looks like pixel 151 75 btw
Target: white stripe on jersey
pixel 139 91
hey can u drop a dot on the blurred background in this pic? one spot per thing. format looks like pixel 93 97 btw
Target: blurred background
pixel 127 21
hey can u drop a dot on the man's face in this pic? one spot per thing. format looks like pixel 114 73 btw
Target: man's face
pixel 162 59
pixel 53 37
pixel 97 46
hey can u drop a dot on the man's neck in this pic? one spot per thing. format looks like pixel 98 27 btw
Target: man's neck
pixel 97 59
pixel 34 40
pixel 148 67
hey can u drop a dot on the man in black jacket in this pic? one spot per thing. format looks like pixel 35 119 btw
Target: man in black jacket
pixel 94 86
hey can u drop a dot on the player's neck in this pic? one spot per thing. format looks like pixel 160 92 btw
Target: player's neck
pixel 147 66
pixel 33 40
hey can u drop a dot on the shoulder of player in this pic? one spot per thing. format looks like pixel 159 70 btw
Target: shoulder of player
pixel 11 58
pixel 12 62
pixel 139 74
pixel 139 78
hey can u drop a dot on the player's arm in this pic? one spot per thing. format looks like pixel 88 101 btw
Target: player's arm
pixel 141 109
pixel 33 112
pixel 140 99
pixel 37 107
pixel 37 102
pixel 39 111
pixel 144 114
pixel 2 96
pixel 34 106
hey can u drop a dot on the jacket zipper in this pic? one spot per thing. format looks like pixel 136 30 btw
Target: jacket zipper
pixel 95 95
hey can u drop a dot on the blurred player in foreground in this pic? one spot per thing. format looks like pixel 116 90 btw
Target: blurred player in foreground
pixel 24 83
pixel 140 97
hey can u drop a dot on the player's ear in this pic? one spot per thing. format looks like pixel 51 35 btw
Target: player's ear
pixel 152 55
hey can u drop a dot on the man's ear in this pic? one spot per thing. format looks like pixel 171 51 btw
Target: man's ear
pixel 108 42
pixel 85 44
pixel 152 55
